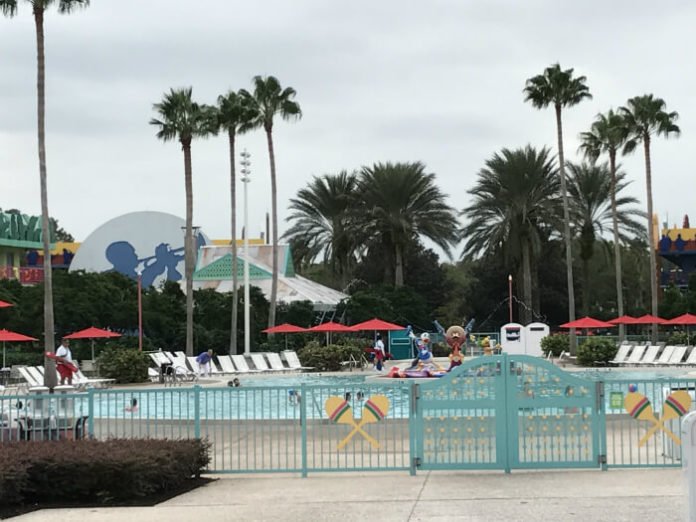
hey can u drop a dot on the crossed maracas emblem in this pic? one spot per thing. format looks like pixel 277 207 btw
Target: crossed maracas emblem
pixel 639 407
pixel 340 412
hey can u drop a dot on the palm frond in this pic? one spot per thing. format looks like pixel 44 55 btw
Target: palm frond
pixel 8 7
pixel 556 87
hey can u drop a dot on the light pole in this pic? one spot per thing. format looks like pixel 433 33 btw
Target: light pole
pixel 246 178
pixel 140 309
pixel 510 296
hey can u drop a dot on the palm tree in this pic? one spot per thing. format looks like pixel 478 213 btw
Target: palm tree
pixel 9 9
pixel 324 221
pixel 233 115
pixel 183 119
pixel 594 208
pixel 515 200
pixel 559 88
pixel 645 116
pixel 268 100
pixel 400 201
pixel 608 135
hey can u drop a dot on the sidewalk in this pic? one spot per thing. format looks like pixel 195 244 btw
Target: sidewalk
pixel 617 495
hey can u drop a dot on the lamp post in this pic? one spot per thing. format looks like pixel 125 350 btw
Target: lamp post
pixel 140 309
pixel 510 296
pixel 246 178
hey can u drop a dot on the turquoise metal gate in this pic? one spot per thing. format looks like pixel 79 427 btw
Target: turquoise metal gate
pixel 508 412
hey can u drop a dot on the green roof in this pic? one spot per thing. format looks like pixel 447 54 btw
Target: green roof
pixel 222 270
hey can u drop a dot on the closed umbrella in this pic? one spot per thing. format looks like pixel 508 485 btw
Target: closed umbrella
pixel 9 336
pixel 92 333
pixel 284 328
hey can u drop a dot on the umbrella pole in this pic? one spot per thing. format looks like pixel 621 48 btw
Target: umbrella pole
pixel 3 354
pixel 92 349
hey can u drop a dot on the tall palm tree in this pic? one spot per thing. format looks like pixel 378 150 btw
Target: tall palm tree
pixel 9 9
pixel 558 87
pixel 594 208
pixel 324 220
pixel 400 201
pixel 515 199
pixel 644 117
pixel 267 100
pixel 182 119
pixel 608 135
pixel 233 114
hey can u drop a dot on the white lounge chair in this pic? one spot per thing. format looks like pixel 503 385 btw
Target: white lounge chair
pixel 277 364
pixel 33 384
pixel 242 365
pixel 98 382
pixel 678 355
pixel 690 360
pixel 621 354
pixel 294 361
pixel 226 365
pixel 153 375
pixel 665 355
pixel 260 363
pixel 650 355
pixel 636 355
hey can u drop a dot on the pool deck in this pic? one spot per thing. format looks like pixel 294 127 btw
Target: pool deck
pixel 617 495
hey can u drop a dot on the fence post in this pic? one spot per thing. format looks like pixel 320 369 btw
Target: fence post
pixel 413 423
pixel 601 424
pixel 303 424
pixel 197 411
pixel 90 413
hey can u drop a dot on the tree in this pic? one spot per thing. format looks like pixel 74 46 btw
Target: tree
pixel 594 208
pixel 183 119
pixel 514 199
pixel 268 100
pixel 324 222
pixel 9 8
pixel 560 89
pixel 607 135
pixel 399 202
pixel 233 115
pixel 645 116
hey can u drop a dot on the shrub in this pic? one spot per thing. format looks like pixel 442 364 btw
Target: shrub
pixel 123 364
pixel 97 471
pixel 596 351
pixel 443 349
pixel 555 344
pixel 327 358
pixel 678 338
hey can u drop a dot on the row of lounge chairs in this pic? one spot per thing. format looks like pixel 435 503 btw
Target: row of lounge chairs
pixel 34 380
pixel 186 368
pixel 654 355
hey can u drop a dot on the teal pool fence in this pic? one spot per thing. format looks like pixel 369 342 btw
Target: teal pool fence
pixel 499 412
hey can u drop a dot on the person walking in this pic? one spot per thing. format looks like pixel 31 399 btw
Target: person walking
pixel 379 353
pixel 64 362
pixel 204 362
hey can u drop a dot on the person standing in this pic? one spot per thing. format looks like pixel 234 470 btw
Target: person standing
pixel 379 353
pixel 204 362
pixel 64 362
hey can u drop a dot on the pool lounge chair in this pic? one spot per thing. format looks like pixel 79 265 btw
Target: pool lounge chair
pixel 650 355
pixel 226 365
pixel 636 356
pixel 260 363
pixel 294 361
pixel 241 364
pixel 97 382
pixel 34 385
pixel 677 355
pixel 277 364
pixel 621 355
pixel 665 356
pixel 690 360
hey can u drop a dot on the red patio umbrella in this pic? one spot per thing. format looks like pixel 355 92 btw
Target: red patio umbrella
pixel 684 319
pixel 587 322
pixel 329 328
pixel 376 324
pixel 4 304
pixel 624 319
pixel 284 328
pixel 8 336
pixel 92 333
pixel 649 319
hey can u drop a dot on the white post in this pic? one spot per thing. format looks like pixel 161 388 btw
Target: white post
pixel 688 438
pixel 246 172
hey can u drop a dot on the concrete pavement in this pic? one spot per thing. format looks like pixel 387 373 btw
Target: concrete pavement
pixel 616 495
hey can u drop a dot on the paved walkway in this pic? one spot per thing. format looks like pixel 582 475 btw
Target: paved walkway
pixel 616 495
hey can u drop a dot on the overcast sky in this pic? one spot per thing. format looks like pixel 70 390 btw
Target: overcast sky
pixel 439 82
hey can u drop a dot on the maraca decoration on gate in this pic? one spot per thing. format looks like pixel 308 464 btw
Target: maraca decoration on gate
pixel 638 406
pixel 340 412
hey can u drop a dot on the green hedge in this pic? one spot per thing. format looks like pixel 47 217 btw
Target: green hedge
pixel 92 471
pixel 327 358
pixel 123 364
pixel 596 351
pixel 555 344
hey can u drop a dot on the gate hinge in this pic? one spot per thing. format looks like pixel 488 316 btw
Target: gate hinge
pixel 602 459
pixel 416 462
